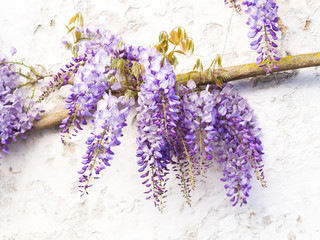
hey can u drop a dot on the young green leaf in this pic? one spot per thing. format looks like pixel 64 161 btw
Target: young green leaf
pixel 178 51
pixel 198 63
pixel 78 36
pixel 209 73
pixel 72 20
pixel 218 82
pixel 70 30
pixel 120 64
pixel 114 63
pixel 219 60
pixel 191 46
pixel 183 45
pixel 180 33
pixel 81 20
pixel 170 55
pixel 174 39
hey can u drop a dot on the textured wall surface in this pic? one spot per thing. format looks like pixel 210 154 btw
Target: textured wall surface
pixel 38 179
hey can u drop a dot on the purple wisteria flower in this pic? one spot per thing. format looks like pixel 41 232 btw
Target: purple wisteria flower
pixel 199 111
pixel 157 118
pixel 263 22
pixel 108 122
pixel 95 75
pixel 179 128
pixel 17 112
pixel 62 77
pixel 191 144
pixel 238 144
pixel 218 124
pixel 89 83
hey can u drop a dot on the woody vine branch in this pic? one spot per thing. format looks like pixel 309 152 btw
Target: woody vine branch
pixel 235 73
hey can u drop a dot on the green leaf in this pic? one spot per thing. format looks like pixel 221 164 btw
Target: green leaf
pixel 183 45
pixel 120 64
pixel 187 43
pixel 68 45
pixel 163 44
pixel 78 35
pixel 128 94
pixel 178 51
pixel 114 63
pixel 218 82
pixel 108 78
pixel 113 80
pixel 160 37
pixel 191 46
pixel 174 37
pixel 219 60
pixel 166 47
pixel 209 73
pixel 170 55
pixel 81 20
pixel 71 29
pixel 136 70
pixel 170 40
pixel 158 48
pixel 163 36
pixel 173 61
pixel 213 62
pixel 198 63
pixel 120 44
pixel 72 20
pixel 180 33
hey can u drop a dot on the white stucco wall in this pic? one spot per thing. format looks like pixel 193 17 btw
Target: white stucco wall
pixel 39 198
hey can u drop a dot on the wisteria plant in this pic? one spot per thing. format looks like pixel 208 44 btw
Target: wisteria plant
pixel 181 128
pixel 18 111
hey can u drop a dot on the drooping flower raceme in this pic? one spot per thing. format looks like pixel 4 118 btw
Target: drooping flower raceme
pixel 62 77
pixel 195 131
pixel 89 99
pixel 220 124
pixel 90 81
pixel 263 27
pixel 17 112
pixel 200 114
pixel 157 118
pixel 107 129
pixel 239 147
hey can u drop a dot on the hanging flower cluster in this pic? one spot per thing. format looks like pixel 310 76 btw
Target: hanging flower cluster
pixel 263 23
pixel 96 71
pixel 221 126
pixel 17 112
pixel 185 129
pixel 179 127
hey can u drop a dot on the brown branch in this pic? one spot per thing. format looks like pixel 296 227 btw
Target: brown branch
pixel 252 70
pixel 50 120
pixel 235 73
